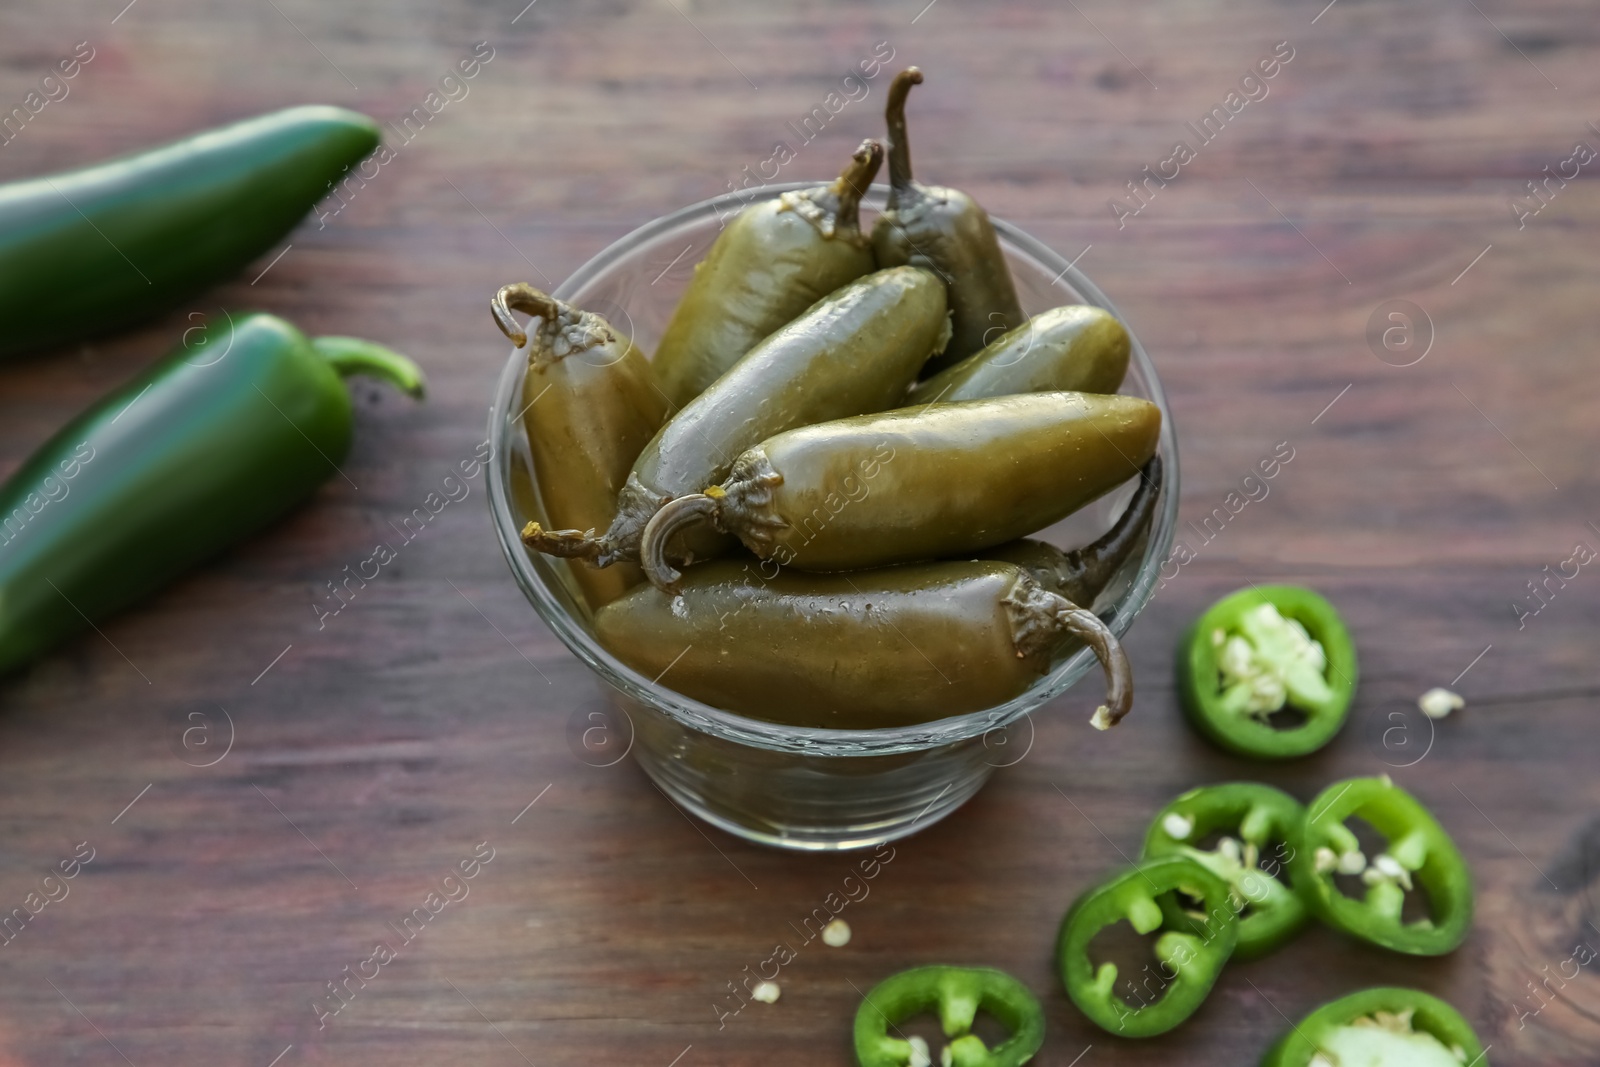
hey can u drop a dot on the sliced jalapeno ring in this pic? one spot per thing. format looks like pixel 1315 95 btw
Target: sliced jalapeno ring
pixel 1418 853
pixel 1189 962
pixel 1383 1027
pixel 1257 824
pixel 957 994
pixel 1261 650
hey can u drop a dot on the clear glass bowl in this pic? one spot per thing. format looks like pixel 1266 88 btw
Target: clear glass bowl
pixel 788 786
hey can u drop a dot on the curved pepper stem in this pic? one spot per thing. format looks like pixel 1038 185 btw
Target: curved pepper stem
pixel 1098 560
pixel 520 296
pixel 894 114
pixel 674 516
pixel 566 544
pixel 1087 627
pixel 352 355
pixel 852 183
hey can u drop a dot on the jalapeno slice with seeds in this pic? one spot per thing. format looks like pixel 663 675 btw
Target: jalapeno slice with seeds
pixel 1383 1027
pixel 1258 652
pixel 1419 853
pixel 1257 824
pixel 957 994
pixel 1189 962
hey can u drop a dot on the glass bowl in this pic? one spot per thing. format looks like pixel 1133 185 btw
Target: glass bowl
pixel 794 787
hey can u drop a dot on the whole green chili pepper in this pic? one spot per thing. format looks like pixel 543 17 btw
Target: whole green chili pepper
pixel 1257 824
pixel 1189 962
pixel 1383 1027
pixel 1077 348
pixel 590 403
pixel 1257 651
pixel 853 351
pixel 946 231
pixel 916 483
pixel 957 994
pixel 774 260
pixel 857 650
pixel 1418 853
pixel 92 249
pixel 208 445
pixel 1081 574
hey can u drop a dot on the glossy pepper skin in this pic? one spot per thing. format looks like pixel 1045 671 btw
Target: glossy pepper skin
pixel 89 250
pixel 1384 1007
pixel 590 403
pixel 1258 824
pixel 1189 962
pixel 946 231
pixel 957 994
pixel 1199 675
pixel 774 260
pixel 1082 574
pixel 1419 853
pixel 1077 348
pixel 916 483
pixel 853 351
pixel 207 446
pixel 859 650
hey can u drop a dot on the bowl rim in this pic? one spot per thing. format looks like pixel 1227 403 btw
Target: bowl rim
pixel 812 740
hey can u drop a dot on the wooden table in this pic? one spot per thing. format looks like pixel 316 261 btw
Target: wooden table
pixel 372 754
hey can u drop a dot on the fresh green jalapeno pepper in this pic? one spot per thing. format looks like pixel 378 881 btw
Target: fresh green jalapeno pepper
pixel 1189 962
pixel 915 483
pixel 206 446
pixel 946 231
pixel 857 650
pixel 1083 573
pixel 853 351
pixel 1077 348
pixel 957 994
pixel 1384 1027
pixel 92 249
pixel 590 403
pixel 1257 824
pixel 774 260
pixel 1257 651
pixel 1418 853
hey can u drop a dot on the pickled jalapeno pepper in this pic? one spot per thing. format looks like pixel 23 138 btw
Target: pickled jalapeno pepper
pixel 854 351
pixel 916 483
pixel 1077 348
pixel 774 260
pixel 946 231
pixel 856 650
pixel 590 403
pixel 1082 574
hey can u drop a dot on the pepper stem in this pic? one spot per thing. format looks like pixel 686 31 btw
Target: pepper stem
pixel 854 180
pixel 672 518
pixel 567 544
pixel 1098 560
pixel 894 114
pixel 1087 627
pixel 520 296
pixel 352 355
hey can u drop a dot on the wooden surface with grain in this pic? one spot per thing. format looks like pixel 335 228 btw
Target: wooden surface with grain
pixel 373 753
